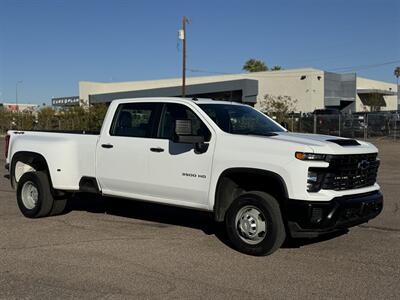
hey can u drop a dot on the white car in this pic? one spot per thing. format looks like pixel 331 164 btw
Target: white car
pixel 264 182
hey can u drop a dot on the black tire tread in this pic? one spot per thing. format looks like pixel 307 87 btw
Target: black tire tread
pixel 58 207
pixel 267 203
pixel 46 201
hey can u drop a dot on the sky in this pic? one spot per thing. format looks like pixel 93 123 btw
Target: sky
pixel 51 45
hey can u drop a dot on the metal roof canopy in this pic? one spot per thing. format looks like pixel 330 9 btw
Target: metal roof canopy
pixel 376 91
pixel 249 88
pixel 374 97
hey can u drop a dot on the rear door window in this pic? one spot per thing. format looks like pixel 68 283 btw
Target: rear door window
pixel 136 120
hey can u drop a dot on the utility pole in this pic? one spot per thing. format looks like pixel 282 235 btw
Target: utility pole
pixel 398 94
pixel 182 36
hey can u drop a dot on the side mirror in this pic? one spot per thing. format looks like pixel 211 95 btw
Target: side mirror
pixel 183 133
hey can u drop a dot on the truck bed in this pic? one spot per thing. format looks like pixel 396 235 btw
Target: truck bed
pixel 86 132
pixel 70 155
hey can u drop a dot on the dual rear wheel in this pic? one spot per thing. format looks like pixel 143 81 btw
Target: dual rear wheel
pixel 35 197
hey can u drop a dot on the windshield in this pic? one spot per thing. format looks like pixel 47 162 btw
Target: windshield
pixel 240 119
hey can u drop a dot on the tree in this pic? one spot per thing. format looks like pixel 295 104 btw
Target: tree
pixel 397 73
pixel 254 65
pixel 276 68
pixel 5 120
pixel 278 106
pixel 46 118
pixel 97 112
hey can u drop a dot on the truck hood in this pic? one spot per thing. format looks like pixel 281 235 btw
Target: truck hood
pixel 326 144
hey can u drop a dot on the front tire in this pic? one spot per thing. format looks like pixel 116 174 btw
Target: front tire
pixel 254 224
pixel 34 195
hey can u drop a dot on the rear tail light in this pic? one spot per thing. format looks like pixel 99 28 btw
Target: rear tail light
pixel 6 146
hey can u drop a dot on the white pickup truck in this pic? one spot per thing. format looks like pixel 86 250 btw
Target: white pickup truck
pixel 264 182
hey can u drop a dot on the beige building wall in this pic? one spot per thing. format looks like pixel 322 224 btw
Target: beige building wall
pixel 87 88
pixel 364 83
pixel 308 92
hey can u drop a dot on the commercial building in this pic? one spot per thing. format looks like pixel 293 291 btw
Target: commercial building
pixel 19 108
pixel 377 94
pixel 311 88
pixel 231 88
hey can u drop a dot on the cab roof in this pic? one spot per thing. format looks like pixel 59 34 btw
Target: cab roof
pixel 176 100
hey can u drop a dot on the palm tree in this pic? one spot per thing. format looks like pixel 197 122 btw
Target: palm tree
pixel 254 65
pixel 397 74
pixel 276 68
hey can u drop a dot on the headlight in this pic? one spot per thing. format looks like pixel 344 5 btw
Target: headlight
pixel 313 180
pixel 309 156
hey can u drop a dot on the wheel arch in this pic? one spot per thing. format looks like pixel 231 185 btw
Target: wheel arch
pixel 235 181
pixel 33 159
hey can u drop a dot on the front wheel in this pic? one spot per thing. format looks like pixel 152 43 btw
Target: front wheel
pixel 254 224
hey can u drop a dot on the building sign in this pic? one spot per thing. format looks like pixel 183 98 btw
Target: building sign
pixel 65 101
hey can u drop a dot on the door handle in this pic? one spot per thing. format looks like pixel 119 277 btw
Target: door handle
pixel 157 149
pixel 107 146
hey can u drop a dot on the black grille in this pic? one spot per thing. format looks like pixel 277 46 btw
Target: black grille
pixel 350 171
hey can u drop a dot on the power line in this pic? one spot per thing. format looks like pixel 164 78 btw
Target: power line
pixel 370 66
pixel 349 69
pixel 255 74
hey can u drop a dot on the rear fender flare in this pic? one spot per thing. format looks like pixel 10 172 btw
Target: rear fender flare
pixel 33 159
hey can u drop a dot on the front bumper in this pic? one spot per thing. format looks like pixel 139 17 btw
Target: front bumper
pixel 311 219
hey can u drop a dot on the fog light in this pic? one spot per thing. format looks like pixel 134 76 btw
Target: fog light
pixel 316 215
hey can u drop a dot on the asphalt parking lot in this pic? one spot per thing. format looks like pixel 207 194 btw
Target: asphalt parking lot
pixel 112 248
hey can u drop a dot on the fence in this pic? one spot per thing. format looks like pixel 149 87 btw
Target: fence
pixel 357 125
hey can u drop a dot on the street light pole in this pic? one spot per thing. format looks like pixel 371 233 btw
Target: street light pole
pixel 16 94
pixel 398 94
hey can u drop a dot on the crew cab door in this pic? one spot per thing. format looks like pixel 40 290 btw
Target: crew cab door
pixel 122 153
pixel 177 171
